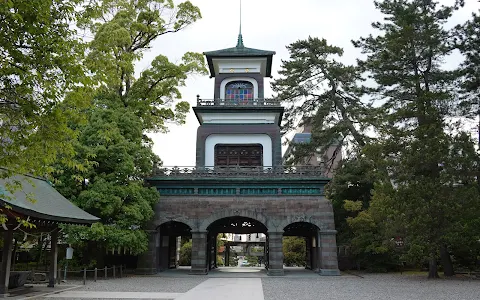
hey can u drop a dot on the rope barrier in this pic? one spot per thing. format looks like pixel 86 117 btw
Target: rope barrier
pixel 84 272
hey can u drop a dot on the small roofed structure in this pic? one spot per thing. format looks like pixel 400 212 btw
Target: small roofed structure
pixel 37 201
pixel 248 60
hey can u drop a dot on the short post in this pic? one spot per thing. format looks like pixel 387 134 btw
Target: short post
pixel 33 276
pixel 59 275
pixel 121 271
pixel 84 275
pixel 105 272
pixel 95 275
pixel 113 271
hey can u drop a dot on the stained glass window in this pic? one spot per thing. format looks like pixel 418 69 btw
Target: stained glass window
pixel 239 92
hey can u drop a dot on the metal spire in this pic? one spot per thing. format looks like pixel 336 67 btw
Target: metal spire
pixel 240 37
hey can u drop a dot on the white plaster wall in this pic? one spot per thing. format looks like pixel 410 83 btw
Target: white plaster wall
pixel 227 80
pixel 239 118
pixel 240 65
pixel 215 139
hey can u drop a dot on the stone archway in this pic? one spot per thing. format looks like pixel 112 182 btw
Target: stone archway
pixel 229 213
pixel 235 227
pixel 168 243
pixel 302 232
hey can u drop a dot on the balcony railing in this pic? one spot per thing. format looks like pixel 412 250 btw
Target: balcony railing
pixel 241 172
pixel 238 102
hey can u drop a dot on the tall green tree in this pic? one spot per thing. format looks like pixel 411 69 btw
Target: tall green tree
pixel 468 41
pixel 405 62
pixel 350 192
pixel 322 92
pixel 42 84
pixel 125 108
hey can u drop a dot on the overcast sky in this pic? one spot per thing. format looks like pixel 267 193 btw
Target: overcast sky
pixel 266 25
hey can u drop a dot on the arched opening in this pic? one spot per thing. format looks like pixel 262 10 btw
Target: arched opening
pixel 300 245
pixel 239 92
pixel 174 246
pixel 237 242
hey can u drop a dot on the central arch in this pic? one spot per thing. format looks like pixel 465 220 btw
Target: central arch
pixel 237 224
pixel 227 213
pixel 245 236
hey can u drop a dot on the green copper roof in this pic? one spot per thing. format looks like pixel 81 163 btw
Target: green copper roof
pixel 237 52
pixel 48 204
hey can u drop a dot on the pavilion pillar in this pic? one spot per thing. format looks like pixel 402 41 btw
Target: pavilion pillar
pixel 328 253
pixel 199 253
pixel 147 262
pixel 52 273
pixel 275 253
pixel 308 253
pixel 6 262
pixel 227 255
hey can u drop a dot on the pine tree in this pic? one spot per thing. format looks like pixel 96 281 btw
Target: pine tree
pixel 405 62
pixel 321 92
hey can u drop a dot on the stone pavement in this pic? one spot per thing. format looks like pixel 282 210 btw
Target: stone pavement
pixel 226 288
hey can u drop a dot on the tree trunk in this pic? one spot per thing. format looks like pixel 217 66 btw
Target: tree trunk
pixel 446 261
pixel 432 267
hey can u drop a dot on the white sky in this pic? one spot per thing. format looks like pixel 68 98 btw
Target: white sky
pixel 266 25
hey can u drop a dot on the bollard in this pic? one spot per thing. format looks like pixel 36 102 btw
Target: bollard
pixel 33 276
pixel 113 271
pixel 121 271
pixel 84 275
pixel 105 272
pixel 95 275
pixel 59 274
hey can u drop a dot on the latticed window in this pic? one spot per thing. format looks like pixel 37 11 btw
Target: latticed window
pixel 239 91
pixel 239 155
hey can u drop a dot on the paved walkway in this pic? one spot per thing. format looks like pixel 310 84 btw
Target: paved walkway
pixel 226 288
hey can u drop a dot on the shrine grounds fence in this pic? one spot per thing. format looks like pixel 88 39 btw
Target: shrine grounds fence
pixel 84 275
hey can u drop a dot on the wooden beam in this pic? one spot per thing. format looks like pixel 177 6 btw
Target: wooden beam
pixel 53 258
pixel 6 262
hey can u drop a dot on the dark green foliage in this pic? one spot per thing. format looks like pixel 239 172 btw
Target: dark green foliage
pixel 294 251
pixel 42 84
pixel 322 92
pixel 467 38
pixel 186 254
pixel 353 181
pixel 113 144
pixel 405 61
pixel 415 177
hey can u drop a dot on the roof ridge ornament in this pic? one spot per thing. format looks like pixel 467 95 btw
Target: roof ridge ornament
pixel 240 37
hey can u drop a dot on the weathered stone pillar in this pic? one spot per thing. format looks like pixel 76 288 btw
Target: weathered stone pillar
pixel 227 255
pixel 199 253
pixel 52 272
pixel 275 253
pixel 147 262
pixel 158 238
pixel 308 253
pixel 164 252
pixel 6 262
pixel 328 252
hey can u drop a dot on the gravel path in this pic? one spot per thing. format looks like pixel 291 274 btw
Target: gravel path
pixel 371 287
pixel 143 284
